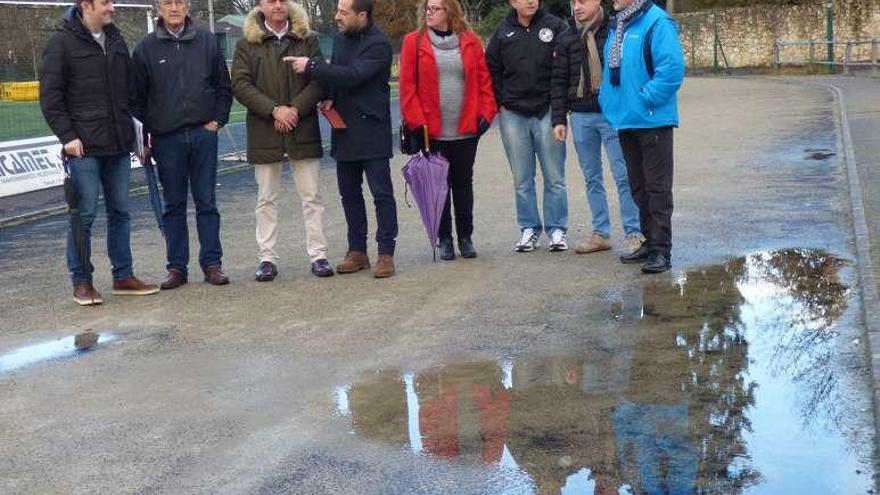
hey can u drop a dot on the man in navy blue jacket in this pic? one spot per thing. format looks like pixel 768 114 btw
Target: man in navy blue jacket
pixel 357 78
pixel 182 94
pixel 644 70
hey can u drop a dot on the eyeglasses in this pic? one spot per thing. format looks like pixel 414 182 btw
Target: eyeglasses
pixel 433 9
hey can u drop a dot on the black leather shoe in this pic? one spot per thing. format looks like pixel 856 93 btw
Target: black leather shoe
pixel 266 272
pixel 447 252
pixel 640 255
pixel 321 268
pixel 657 263
pixel 466 248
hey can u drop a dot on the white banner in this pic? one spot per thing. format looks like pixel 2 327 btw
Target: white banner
pixel 32 164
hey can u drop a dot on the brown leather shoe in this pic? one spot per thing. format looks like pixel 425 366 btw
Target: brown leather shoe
pixel 131 286
pixel 173 280
pixel 354 261
pixel 214 275
pixel 594 244
pixel 86 295
pixel 384 267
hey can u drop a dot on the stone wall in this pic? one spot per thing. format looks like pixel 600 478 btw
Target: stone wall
pixel 747 34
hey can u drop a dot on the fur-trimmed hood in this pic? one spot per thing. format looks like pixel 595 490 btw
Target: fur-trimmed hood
pixel 255 30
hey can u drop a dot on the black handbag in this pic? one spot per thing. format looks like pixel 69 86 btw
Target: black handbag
pixel 412 141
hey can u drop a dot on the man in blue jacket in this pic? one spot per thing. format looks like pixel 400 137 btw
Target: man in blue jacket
pixel 357 78
pixel 182 94
pixel 644 70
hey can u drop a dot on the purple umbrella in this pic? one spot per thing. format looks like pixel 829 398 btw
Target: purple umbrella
pixel 426 176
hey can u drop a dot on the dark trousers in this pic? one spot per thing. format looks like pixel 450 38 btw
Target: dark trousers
pixel 648 154
pixel 187 162
pixel 460 154
pixel 349 177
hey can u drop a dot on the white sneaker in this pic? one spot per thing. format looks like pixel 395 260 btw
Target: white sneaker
pixel 528 241
pixel 558 241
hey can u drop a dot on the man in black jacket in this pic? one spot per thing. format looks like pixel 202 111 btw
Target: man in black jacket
pixel 357 77
pixel 577 76
pixel 520 57
pixel 183 94
pixel 84 97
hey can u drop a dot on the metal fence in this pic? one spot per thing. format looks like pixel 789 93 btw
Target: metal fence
pixel 848 55
pixel 25 27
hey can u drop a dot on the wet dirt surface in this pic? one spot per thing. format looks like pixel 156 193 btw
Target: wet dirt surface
pixel 742 370
pixel 736 378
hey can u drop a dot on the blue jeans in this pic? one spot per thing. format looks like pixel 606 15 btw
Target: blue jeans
pixel 590 131
pixel 524 138
pixel 112 173
pixel 187 160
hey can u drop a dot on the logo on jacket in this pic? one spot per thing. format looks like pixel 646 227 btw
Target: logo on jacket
pixel 545 35
pixel 511 34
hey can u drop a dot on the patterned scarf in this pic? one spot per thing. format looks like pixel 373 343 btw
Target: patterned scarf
pixel 591 55
pixel 623 19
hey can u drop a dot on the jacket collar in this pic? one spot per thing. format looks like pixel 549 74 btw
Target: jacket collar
pixel 513 19
pixel 255 24
pixel 72 22
pixel 361 32
pixel 189 31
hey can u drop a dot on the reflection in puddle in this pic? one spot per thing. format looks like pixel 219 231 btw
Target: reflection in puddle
pixel 694 392
pixel 819 153
pixel 52 351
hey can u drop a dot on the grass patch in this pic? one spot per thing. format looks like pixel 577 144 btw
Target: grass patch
pixel 237 113
pixel 22 119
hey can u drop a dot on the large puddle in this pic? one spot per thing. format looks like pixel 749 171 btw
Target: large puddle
pixel 742 378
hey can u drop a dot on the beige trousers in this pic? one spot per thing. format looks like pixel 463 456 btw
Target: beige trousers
pixel 305 175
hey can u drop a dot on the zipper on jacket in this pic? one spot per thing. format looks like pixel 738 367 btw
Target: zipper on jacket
pixel 112 93
pixel 282 98
pixel 178 67
pixel 531 60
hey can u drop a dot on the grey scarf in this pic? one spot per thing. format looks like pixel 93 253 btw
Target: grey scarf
pixel 449 42
pixel 623 19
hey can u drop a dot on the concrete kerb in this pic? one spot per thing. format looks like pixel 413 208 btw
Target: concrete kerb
pixel 137 191
pixel 867 281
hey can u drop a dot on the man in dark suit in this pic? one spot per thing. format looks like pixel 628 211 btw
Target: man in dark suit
pixel 357 79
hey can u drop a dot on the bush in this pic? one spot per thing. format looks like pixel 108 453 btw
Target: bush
pixel 491 20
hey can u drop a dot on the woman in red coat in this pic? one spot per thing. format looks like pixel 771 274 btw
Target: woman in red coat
pixel 445 85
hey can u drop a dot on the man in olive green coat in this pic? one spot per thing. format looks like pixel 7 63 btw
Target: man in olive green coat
pixel 282 123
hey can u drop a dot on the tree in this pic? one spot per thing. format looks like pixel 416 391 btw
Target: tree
pixel 396 17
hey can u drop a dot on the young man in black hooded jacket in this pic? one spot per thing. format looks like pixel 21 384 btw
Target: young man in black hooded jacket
pixel 84 81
